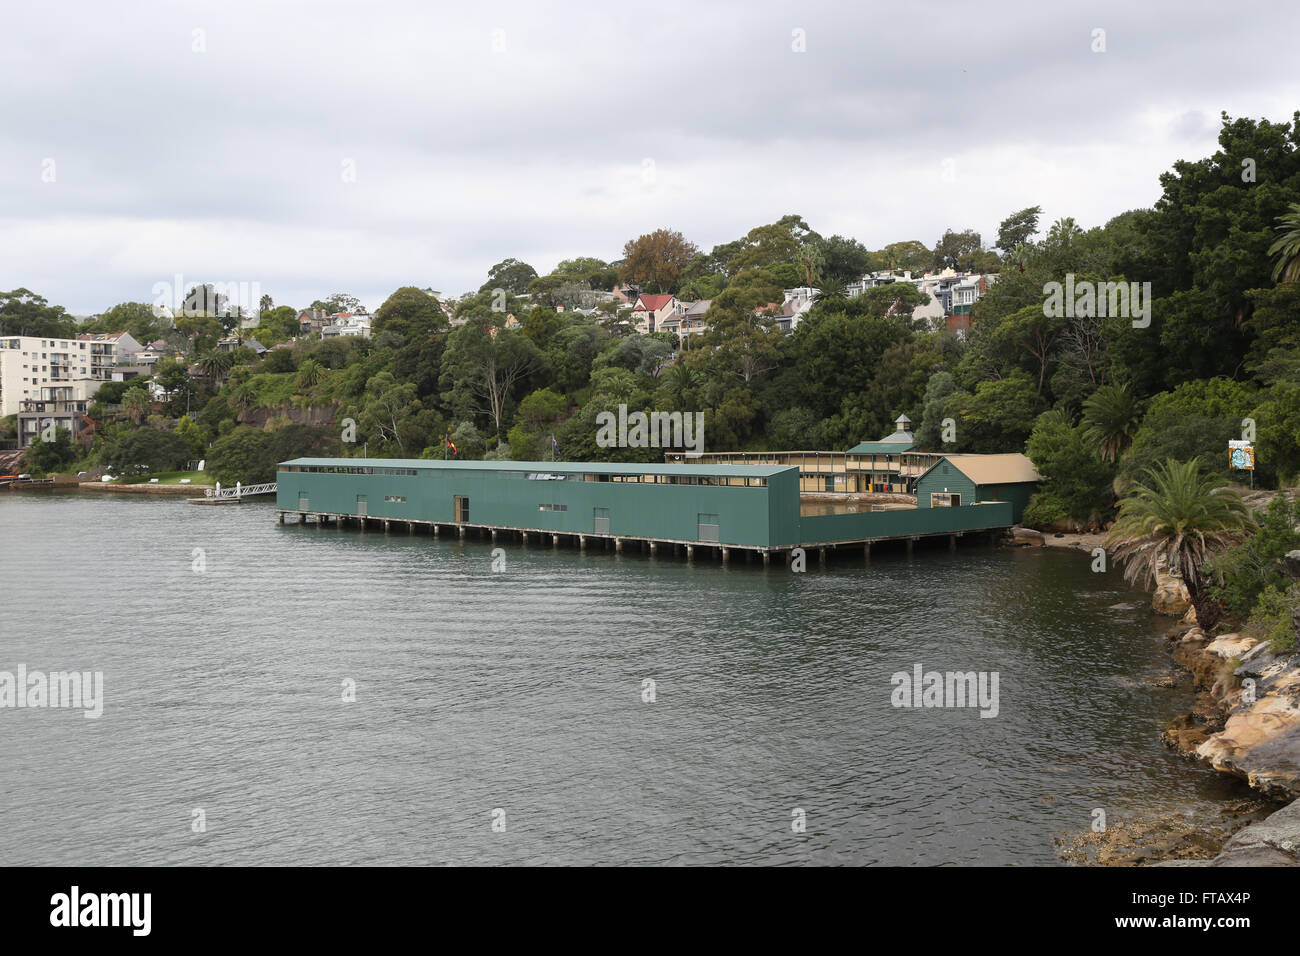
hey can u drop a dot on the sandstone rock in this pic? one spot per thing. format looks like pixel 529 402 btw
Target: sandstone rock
pixel 1027 536
pixel 1229 646
pixel 1185 734
pixel 1260 741
pixel 1189 618
pixel 1171 595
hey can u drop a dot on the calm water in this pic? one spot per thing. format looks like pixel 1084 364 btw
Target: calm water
pixel 522 690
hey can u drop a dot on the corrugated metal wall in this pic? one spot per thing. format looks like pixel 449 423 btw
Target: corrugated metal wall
pixel 641 510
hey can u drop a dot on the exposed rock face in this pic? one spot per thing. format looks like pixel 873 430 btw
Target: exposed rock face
pixel 11 462
pixel 1171 595
pixel 312 415
pixel 1260 740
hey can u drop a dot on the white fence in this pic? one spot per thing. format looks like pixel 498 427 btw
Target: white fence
pixel 240 490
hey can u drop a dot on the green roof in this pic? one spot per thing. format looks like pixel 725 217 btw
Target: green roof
pixel 881 448
pixel 554 467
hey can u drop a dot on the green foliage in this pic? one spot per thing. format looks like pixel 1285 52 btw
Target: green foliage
pixel 1194 420
pixel 189 431
pixel 795 429
pixel 279 360
pixel 844 259
pixel 1287 246
pixel 1018 228
pixel 997 417
pixel 250 455
pixel 1255 564
pixel 511 275
pixel 1110 419
pixel 23 312
pixel 136 318
pixel 1177 514
pixel 146 450
pixel 1078 482
pixel 44 457
pixel 110 393
pixel 938 389
pixel 1274 616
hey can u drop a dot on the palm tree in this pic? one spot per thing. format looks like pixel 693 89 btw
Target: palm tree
pixel 1063 233
pixel 1178 517
pixel 680 380
pixel 309 374
pixel 214 364
pixel 136 402
pixel 241 394
pixel 1287 247
pixel 810 260
pixel 831 291
pixel 1110 418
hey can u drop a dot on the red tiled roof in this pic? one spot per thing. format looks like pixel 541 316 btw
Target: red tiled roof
pixel 653 303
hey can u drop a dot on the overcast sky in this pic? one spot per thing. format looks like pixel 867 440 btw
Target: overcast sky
pixel 217 140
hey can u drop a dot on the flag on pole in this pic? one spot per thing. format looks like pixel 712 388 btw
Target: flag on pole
pixel 451 445
pixel 555 448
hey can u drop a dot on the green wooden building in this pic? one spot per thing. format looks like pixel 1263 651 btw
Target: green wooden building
pixel 750 507
pixel 957 480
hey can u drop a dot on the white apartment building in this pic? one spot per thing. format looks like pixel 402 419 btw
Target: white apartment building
pixel 34 369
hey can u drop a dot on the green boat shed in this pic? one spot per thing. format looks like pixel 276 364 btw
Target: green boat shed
pixel 957 480
pixel 752 507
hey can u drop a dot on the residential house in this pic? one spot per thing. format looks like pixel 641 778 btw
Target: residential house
pixel 795 306
pixel 347 325
pixel 312 320
pixel 651 310
pixel 232 342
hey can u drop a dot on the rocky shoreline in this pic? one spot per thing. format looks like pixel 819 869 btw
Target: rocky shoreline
pixel 1245 722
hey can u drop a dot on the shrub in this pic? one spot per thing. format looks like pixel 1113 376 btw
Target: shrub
pixel 1273 618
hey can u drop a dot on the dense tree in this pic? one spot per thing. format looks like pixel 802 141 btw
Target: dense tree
pixel 844 259
pixel 1018 228
pixel 25 313
pixel 43 457
pixel 483 367
pixel 511 275
pixel 135 318
pixel 338 302
pixel 145 450
pixel 912 256
pixel 956 250
pixel 656 260
pixel 1078 485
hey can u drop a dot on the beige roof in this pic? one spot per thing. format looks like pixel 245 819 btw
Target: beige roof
pixel 996 469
